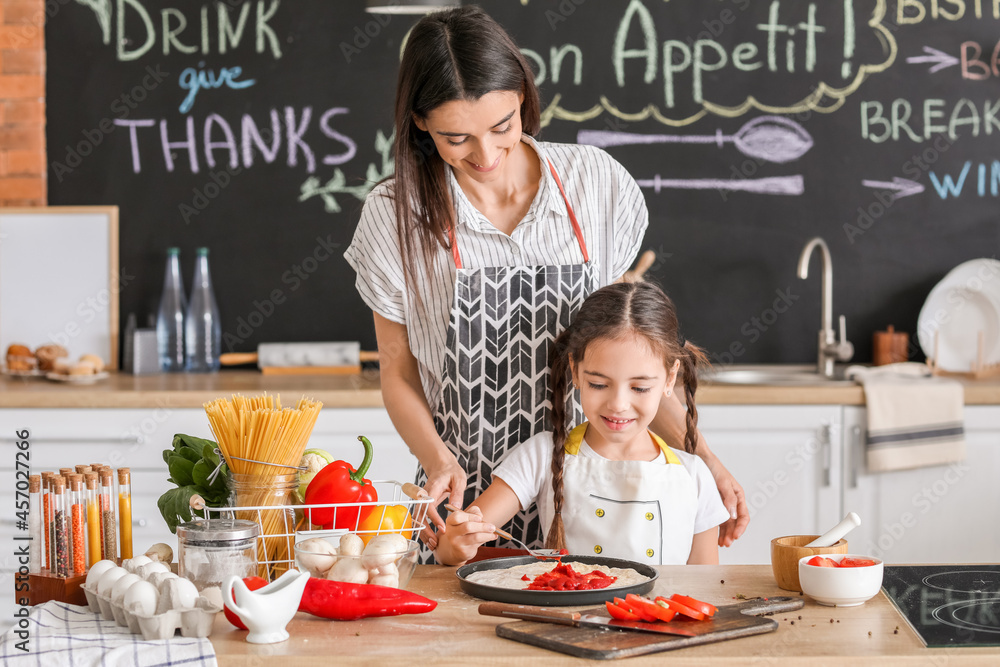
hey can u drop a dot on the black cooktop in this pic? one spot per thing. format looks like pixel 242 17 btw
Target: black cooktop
pixel 948 605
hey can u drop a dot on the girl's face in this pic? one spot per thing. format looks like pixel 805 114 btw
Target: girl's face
pixel 621 383
pixel 476 137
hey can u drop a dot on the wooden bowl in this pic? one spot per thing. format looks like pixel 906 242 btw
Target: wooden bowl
pixel 786 552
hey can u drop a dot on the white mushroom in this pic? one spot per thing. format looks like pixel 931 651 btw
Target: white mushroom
pixel 348 570
pixel 316 555
pixel 351 545
pixel 390 580
pixel 383 549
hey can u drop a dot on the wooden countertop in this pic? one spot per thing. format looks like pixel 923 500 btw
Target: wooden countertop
pixel 363 391
pixel 455 634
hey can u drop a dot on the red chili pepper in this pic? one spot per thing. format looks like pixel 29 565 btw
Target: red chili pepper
pixel 339 482
pixel 253 583
pixel 347 602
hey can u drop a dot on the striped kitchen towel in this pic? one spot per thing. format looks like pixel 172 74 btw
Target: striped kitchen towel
pixel 56 633
pixel 914 419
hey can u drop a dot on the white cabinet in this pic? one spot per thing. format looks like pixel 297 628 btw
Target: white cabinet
pixel 136 438
pixel 938 514
pixel 788 460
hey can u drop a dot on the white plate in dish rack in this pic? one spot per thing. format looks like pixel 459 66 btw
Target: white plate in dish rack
pixel 964 303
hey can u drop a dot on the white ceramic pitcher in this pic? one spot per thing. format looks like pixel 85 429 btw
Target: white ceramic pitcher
pixel 266 611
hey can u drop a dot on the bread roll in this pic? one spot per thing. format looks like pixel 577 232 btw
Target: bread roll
pixel 18 350
pixel 20 358
pixel 47 355
pixel 97 362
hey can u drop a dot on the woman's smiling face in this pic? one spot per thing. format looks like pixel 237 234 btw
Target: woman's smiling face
pixel 476 137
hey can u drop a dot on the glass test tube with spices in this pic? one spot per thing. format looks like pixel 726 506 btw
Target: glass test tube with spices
pixel 77 520
pixel 47 517
pixel 125 511
pixel 35 523
pixel 109 528
pixel 95 542
pixel 61 568
pixel 67 516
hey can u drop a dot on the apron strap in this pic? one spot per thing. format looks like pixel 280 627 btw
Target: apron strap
pixel 569 209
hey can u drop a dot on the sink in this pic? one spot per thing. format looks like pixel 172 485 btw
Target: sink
pixel 775 375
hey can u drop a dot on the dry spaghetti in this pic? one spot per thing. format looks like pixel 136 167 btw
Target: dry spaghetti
pixel 262 444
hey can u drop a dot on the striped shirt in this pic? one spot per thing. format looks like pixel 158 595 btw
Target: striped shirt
pixel 606 200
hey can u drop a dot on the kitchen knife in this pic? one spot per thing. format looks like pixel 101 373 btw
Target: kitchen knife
pixel 580 619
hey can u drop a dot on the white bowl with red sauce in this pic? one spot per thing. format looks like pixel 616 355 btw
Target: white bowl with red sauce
pixel 841 586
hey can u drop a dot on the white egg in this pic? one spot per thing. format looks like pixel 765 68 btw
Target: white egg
pixel 96 570
pixel 141 598
pixel 122 585
pixel 133 564
pixel 182 593
pixel 108 579
pixel 149 568
pixel 213 594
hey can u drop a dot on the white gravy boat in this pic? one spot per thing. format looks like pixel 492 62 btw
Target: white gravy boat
pixel 266 611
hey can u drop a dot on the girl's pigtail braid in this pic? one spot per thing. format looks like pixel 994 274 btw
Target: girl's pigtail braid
pixel 692 357
pixel 556 536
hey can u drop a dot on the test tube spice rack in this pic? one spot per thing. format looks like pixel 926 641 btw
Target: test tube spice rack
pixel 74 522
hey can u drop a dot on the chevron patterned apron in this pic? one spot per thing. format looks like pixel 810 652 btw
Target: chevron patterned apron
pixel 495 381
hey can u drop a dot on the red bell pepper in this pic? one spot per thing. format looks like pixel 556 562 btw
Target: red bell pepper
pixel 339 482
pixel 347 602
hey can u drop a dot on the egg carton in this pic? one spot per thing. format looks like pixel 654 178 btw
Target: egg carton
pixel 194 622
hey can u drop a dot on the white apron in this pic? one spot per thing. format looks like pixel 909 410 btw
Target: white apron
pixel 638 510
pixel 495 381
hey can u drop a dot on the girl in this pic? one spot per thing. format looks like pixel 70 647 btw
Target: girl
pixel 609 486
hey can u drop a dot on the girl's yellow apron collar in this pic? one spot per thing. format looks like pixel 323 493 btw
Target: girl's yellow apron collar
pixel 575 439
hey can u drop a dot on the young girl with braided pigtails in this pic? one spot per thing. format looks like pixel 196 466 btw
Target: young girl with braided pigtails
pixel 608 486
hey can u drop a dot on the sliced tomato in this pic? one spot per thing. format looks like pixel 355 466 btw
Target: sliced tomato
pixel 820 561
pixel 620 613
pixel 856 562
pixel 682 609
pixel 650 608
pixel 705 608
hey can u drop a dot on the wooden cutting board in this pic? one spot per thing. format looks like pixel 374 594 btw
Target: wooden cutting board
pixel 730 622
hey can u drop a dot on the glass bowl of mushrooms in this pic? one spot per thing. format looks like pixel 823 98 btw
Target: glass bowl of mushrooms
pixel 388 559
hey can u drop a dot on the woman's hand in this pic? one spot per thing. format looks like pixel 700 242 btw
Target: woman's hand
pixel 445 481
pixel 734 500
pixel 465 532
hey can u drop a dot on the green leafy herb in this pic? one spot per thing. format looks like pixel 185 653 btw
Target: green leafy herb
pixel 191 462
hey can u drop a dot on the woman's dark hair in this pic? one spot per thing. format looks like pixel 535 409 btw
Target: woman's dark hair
pixel 460 54
pixel 616 312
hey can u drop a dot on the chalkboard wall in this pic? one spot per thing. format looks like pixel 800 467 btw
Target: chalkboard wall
pixel 255 128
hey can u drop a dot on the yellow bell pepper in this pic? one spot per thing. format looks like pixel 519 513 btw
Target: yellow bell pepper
pixel 385 519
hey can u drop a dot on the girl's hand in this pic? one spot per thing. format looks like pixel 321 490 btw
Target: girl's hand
pixel 465 532
pixel 446 481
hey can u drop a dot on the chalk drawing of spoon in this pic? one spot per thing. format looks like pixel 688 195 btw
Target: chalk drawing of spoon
pixel 768 138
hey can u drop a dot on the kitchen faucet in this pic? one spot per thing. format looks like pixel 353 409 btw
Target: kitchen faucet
pixel 830 350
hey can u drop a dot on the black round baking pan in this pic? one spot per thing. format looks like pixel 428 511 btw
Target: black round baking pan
pixel 553 598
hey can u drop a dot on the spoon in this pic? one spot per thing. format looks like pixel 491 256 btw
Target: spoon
pixel 832 536
pixel 541 554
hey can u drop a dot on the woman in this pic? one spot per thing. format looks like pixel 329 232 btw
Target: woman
pixel 479 251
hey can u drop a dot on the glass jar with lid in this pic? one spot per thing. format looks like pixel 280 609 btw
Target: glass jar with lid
pixel 210 551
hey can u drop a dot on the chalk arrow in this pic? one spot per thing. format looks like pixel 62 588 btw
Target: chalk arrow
pixel 900 187
pixel 942 59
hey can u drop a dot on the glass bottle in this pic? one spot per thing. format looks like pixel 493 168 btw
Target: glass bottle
pixel 47 517
pixel 35 559
pixel 202 328
pixel 94 540
pixel 170 317
pixel 125 511
pixel 59 536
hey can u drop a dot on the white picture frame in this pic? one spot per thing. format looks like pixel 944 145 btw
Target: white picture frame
pixel 60 280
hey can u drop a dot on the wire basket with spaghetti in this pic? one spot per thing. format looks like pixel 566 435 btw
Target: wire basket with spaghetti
pixel 262 443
